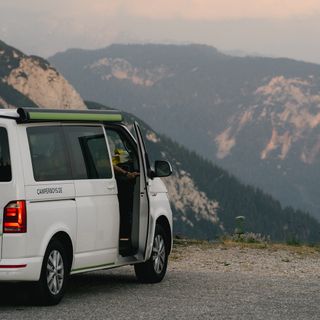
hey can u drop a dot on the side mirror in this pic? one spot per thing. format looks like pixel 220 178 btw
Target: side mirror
pixel 162 168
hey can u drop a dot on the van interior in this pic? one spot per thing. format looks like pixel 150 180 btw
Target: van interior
pixel 124 156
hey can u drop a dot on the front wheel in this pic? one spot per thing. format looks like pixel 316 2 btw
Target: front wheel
pixel 54 274
pixel 154 269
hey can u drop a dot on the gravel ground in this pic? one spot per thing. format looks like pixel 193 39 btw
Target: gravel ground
pixel 270 260
pixel 203 282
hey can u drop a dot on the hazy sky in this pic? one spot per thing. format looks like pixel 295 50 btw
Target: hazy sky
pixel 288 28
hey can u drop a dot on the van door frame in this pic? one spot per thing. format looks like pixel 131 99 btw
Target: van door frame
pixel 144 205
pixel 144 190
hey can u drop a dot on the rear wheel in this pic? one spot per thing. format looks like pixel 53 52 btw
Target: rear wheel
pixel 155 268
pixel 54 274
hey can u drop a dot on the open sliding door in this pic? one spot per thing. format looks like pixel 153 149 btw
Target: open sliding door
pixel 144 194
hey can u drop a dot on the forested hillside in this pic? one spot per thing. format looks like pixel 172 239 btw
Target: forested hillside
pixel 259 118
pixel 205 199
pixel 263 213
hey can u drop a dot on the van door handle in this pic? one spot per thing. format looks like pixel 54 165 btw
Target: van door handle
pixel 110 186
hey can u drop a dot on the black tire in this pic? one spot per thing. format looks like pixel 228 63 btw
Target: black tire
pixel 50 292
pixel 149 271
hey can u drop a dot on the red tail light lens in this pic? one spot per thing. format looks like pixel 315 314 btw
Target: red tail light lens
pixel 15 217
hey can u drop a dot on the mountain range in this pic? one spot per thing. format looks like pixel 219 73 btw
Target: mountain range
pixel 205 198
pixel 256 117
pixel 32 81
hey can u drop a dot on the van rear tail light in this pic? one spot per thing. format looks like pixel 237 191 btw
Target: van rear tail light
pixel 15 217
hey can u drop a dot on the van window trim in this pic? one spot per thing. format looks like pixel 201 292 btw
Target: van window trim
pixel 66 155
pixel 10 155
pixel 66 124
pixel 107 147
pixel 126 132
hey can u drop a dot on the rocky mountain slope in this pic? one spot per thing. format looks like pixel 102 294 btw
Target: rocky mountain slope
pixel 205 199
pixel 257 117
pixel 32 81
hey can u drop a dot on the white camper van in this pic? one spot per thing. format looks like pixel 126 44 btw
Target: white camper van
pixel 77 194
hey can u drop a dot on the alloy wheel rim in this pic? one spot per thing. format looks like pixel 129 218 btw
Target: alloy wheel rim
pixel 55 272
pixel 158 254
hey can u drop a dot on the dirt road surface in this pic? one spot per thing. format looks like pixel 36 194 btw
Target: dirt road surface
pixel 203 282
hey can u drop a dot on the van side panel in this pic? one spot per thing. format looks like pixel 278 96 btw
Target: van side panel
pixel 159 206
pixel 43 221
pixel 51 208
pixel 98 222
pixel 14 189
pixel 51 205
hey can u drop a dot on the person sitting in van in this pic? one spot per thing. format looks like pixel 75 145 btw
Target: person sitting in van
pixel 120 157
pixel 125 177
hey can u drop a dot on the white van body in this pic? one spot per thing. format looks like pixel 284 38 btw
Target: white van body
pixel 82 212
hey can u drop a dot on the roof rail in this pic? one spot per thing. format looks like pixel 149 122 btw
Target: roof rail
pixel 44 115
pixel 9 114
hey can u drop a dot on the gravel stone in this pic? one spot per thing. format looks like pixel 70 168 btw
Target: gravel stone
pixel 202 283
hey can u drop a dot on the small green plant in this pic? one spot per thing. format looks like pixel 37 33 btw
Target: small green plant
pixel 239 225
pixel 293 241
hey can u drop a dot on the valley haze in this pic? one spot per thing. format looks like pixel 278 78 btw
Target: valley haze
pixel 264 26
pixel 205 198
pixel 257 117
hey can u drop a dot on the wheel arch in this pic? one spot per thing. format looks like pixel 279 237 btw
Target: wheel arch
pixel 164 222
pixel 65 239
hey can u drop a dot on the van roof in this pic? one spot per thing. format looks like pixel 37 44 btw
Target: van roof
pixel 25 115
pixel 9 113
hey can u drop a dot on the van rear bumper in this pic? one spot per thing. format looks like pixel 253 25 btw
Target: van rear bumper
pixel 26 269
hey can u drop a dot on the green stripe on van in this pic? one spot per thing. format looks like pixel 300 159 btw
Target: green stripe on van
pixel 93 267
pixel 74 116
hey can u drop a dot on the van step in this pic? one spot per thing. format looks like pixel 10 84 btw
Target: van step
pixel 125 248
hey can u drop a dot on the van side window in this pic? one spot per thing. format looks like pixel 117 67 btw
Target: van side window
pixel 88 152
pixel 122 151
pixel 5 164
pixel 48 153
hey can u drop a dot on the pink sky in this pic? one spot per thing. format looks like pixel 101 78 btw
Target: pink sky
pixel 220 9
pixel 175 9
pixel 277 27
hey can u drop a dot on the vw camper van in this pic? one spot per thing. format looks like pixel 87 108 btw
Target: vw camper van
pixel 77 194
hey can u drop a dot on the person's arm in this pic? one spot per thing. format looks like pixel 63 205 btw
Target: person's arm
pixel 128 174
pixel 120 170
